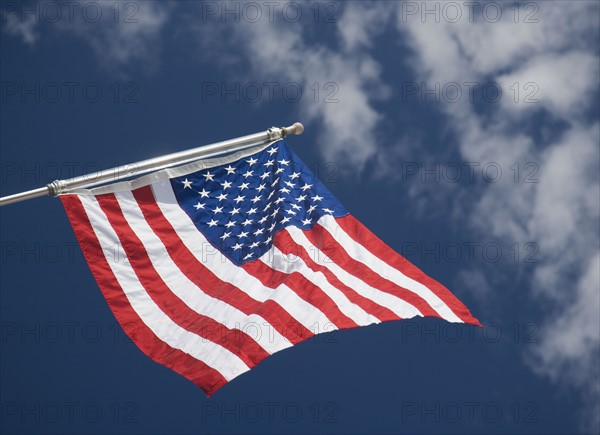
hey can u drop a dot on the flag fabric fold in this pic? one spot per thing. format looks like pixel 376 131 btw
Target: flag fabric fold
pixel 215 265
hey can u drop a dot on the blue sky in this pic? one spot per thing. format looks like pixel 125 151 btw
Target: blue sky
pixel 464 136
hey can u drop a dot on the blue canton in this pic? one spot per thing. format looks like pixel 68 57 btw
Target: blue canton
pixel 239 207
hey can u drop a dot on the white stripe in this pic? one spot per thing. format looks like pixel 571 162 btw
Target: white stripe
pixel 348 308
pixel 361 254
pixel 186 290
pixel 305 313
pixel 213 355
pixel 399 306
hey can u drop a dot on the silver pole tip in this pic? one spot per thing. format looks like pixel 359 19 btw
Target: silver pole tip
pixel 297 128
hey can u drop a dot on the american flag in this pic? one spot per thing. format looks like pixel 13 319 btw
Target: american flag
pixel 213 266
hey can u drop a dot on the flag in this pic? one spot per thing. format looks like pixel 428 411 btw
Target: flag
pixel 213 266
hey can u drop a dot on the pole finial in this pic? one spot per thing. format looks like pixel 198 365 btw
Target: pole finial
pixel 296 128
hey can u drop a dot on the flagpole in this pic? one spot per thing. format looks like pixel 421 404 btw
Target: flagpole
pixel 58 187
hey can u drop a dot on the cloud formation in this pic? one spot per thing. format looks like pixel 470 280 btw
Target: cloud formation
pixel 561 211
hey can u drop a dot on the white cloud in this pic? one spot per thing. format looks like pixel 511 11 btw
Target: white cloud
pixel 561 211
pixel 122 34
pixel 569 351
pixel 560 83
pixel 133 41
pixel 23 28
pixel 566 211
pixel 349 78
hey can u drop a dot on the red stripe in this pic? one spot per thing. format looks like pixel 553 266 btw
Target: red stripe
pixel 205 377
pixel 321 238
pixel 303 288
pixel 359 233
pixel 288 246
pixel 204 278
pixel 235 341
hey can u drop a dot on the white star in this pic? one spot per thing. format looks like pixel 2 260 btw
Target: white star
pixel 212 223
pixel 226 184
pixel 244 186
pixel 248 174
pixel 284 220
pixel 289 183
pixel 222 196
pixel 317 198
pixel 328 211
pixel 252 161
pixel 265 175
pixel 266 242
pixel 274 212
pixel 301 198
pixel 306 222
pixel 247 222
pixel 224 236
pixel 187 184
pixel 253 245
pixel 295 175
pixel 279 171
pixel 284 162
pixel 275 182
pixel 268 206
pixel 261 187
pixel 262 220
pixel 311 208
pixel 204 193
pixel 230 170
pixel 237 246
pixel 234 211
pixel 279 200
pixel 208 176
pixel 296 206
pixel 218 210
pixel 291 212
pixel 248 256
pixel 272 151
pixel 284 190
pixel 306 186
pixel 258 231
pixel 239 199
pixel 199 206
pixel 271 194
pixel 251 211
pixel 230 224
pixel 255 199
pixel 269 163
pixel 272 227
pixel 242 234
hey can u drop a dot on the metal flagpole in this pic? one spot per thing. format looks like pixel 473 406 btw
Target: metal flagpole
pixel 58 187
